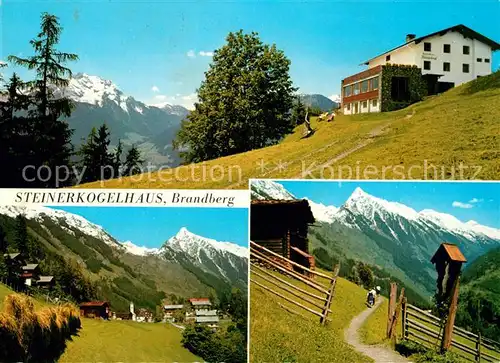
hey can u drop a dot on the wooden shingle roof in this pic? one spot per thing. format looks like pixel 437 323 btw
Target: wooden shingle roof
pixel 450 251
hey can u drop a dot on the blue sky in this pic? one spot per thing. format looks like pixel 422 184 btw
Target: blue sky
pixel 140 45
pixel 151 227
pixel 466 201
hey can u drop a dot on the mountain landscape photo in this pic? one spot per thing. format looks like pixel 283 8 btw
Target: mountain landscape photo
pixel 392 237
pixel 85 258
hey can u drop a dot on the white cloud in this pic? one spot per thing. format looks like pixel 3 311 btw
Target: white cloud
pixel 335 98
pixel 191 53
pixel 206 54
pixel 462 205
pixel 475 200
pixel 186 101
pixel 155 89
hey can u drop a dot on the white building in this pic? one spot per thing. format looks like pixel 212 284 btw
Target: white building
pixel 447 58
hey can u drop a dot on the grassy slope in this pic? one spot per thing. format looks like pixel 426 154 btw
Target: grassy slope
pixel 280 336
pixel 124 341
pixel 458 126
pixel 113 341
pixel 373 331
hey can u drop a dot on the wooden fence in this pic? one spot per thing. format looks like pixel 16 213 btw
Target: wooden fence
pixel 313 297
pixel 426 329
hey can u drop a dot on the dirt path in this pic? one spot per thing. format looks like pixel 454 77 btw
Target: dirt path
pixel 379 353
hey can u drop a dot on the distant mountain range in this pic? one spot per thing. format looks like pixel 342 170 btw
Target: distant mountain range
pixel 387 234
pixel 319 101
pixel 151 128
pixel 186 265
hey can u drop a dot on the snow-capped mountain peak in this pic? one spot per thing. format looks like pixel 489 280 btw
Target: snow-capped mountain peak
pixel 368 205
pixel 139 250
pixel 321 212
pixel 56 215
pixel 192 244
pixel 268 189
pixel 488 231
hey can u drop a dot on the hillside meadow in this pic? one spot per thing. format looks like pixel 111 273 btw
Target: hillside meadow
pixel 450 136
pixel 125 341
pixel 277 335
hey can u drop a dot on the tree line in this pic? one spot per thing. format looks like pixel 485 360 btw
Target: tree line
pixel 70 281
pixel 34 132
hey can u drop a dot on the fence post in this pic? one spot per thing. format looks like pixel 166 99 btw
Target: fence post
pixel 329 296
pixel 478 347
pixel 404 317
pixel 392 306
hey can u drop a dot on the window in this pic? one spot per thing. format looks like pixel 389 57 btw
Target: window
pixel 465 68
pixel 355 89
pixel 348 107
pixel 446 48
pixel 427 47
pixel 365 104
pixel 364 86
pixel 479 60
pixel 374 83
pixel 374 103
pixel 446 66
pixel 399 89
pixel 427 65
pixel 486 60
pixel 347 91
pixel 388 58
pixel 466 49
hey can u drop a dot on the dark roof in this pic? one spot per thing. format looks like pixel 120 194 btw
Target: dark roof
pixel 462 29
pixel 295 206
pixel 451 251
pixel 94 303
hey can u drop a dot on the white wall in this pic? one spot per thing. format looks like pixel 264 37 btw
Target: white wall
pixel 413 54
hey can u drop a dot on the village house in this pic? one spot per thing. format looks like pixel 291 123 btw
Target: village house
pixel 170 309
pixel 30 273
pixel 281 226
pixel 45 281
pixel 95 309
pixel 424 65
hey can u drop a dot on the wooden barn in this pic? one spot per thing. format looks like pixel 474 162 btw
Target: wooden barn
pixel 281 226
pixel 95 309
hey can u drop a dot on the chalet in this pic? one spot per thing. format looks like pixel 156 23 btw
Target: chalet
pixel 212 321
pixel 30 273
pixel 200 303
pixel 144 315
pixel 424 65
pixel 281 226
pixel 170 309
pixel 45 281
pixel 95 309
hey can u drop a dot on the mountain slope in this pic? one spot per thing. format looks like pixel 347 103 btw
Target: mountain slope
pixel 480 295
pixel 217 264
pixel 451 136
pixel 98 101
pixel 124 272
pixel 319 101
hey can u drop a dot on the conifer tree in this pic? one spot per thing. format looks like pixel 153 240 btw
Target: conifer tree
pixel 97 162
pixel 118 159
pixel 21 236
pixel 133 161
pixel 3 241
pixel 50 135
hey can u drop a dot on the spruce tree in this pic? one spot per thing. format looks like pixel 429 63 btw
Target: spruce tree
pixel 21 236
pixel 97 161
pixel 3 241
pixel 133 161
pixel 118 159
pixel 50 135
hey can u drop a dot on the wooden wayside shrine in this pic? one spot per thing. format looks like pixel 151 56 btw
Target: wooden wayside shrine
pixel 448 260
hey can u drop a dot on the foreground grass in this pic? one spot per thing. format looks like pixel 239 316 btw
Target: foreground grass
pixel 374 331
pixel 451 136
pixel 125 341
pixel 277 335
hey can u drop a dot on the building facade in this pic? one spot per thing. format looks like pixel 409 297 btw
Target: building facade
pixel 445 59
